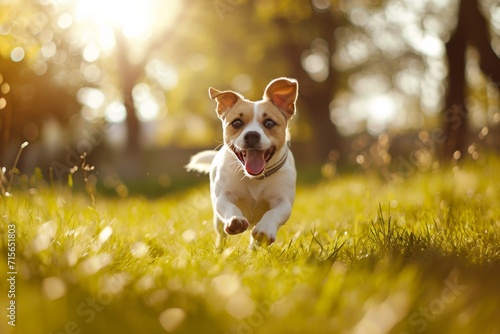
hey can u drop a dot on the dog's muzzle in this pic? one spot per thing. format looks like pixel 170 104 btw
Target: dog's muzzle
pixel 254 161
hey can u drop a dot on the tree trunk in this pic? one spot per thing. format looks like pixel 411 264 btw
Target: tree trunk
pixel 5 129
pixel 317 99
pixel 455 113
pixel 132 121
pixel 129 75
pixel 478 35
pixel 314 96
pixel 472 29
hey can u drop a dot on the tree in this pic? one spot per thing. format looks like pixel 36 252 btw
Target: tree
pixel 130 73
pixel 316 94
pixel 471 30
pixel 35 81
pixel 31 100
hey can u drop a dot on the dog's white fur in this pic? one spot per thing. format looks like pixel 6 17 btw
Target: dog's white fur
pixel 242 193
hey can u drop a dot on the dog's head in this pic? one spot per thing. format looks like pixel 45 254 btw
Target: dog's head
pixel 254 131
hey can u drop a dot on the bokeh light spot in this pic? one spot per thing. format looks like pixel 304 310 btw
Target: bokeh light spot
pixel 17 54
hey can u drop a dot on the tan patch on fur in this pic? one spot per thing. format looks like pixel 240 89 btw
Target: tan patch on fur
pixel 241 110
pixel 278 133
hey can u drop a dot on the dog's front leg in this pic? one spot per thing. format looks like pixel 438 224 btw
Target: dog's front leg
pixel 266 229
pixel 230 215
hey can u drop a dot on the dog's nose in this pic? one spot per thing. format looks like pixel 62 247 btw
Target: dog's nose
pixel 252 138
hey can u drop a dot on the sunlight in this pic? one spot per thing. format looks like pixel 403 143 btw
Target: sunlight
pixel 381 108
pixel 139 21
pixel 147 105
pixel 136 18
pixel 133 17
pixel 381 112
pixel 115 112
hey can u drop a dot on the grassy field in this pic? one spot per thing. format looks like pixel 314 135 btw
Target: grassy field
pixel 359 255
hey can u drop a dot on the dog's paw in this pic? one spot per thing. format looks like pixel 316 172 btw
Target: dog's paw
pixel 263 236
pixel 236 225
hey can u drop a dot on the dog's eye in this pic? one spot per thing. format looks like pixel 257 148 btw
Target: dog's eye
pixel 237 123
pixel 269 123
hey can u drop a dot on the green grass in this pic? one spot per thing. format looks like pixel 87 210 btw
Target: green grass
pixel 358 255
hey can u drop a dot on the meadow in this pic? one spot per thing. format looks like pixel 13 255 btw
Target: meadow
pixel 360 254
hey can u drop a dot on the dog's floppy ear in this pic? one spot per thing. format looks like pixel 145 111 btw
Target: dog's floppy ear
pixel 225 100
pixel 282 92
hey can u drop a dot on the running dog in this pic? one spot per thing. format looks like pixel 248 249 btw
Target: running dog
pixel 252 177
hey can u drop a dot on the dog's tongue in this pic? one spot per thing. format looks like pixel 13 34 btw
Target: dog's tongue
pixel 254 162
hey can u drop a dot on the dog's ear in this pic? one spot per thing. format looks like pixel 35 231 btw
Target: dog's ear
pixel 282 92
pixel 225 100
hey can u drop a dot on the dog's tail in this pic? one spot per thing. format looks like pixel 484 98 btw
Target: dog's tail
pixel 201 162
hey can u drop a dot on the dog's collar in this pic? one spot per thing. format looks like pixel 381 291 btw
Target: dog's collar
pixel 274 168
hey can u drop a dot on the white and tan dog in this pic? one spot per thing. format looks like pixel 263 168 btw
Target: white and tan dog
pixel 252 177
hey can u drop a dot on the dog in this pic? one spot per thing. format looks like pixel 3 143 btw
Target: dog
pixel 253 175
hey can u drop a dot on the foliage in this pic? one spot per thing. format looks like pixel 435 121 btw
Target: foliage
pixel 366 65
pixel 415 255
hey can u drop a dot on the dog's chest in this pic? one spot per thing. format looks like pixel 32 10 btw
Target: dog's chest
pixel 253 209
pixel 251 200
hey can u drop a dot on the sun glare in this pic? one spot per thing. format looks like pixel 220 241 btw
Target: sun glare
pixel 136 18
pixel 139 21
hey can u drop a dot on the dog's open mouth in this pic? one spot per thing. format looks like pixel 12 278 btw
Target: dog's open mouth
pixel 254 160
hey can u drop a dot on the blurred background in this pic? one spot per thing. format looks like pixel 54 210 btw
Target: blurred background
pixel 386 87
